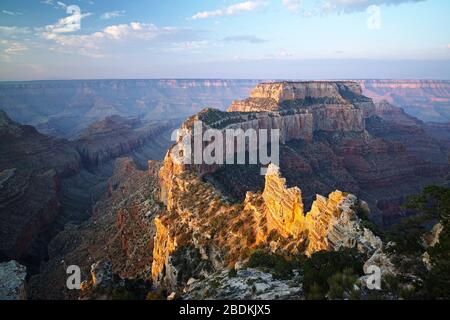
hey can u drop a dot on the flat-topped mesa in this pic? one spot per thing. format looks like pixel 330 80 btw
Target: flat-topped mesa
pixel 280 95
pixel 334 105
pixel 297 109
pixel 321 90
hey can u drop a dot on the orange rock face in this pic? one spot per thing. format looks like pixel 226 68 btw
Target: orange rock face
pixel 223 233
pixel 284 205
pixel 164 246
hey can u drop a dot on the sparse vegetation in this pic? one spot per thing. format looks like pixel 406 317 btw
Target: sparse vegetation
pixel 279 266
pixel 323 268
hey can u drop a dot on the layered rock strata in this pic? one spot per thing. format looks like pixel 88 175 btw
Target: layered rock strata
pixel 202 229
pixel 117 136
pixel 334 106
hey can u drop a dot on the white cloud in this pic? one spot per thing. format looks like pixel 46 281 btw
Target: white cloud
pixel 230 10
pixel 133 30
pixel 95 44
pixel 55 4
pixel 13 31
pixel 48 2
pixel 15 47
pixel 14 34
pixel 292 5
pixel 183 47
pixel 61 4
pixel 112 15
pixel 11 48
pixel 12 13
pixel 358 5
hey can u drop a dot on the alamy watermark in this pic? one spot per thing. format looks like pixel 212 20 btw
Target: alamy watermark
pixel 228 146
pixel 373 281
pixel 73 281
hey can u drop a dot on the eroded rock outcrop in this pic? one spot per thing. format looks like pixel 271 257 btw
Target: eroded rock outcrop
pixel 284 205
pixel 222 234
pixel 334 106
pixel 338 151
pixel 379 153
pixel 247 284
pixel 12 281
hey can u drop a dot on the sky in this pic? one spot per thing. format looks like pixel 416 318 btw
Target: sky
pixel 256 39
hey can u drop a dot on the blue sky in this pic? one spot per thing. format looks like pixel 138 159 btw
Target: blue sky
pixel 304 39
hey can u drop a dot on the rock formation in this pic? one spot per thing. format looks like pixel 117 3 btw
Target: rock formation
pixel 395 114
pixel 248 284
pixel 120 231
pixel 334 106
pixel 383 156
pixel 284 204
pixel 12 281
pixel 338 151
pixel 174 224
pixel 222 233
pixel 46 183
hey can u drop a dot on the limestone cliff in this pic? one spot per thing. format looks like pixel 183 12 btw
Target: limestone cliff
pixel 202 229
pixel 116 136
pixel 284 205
pixel 377 152
pixel 325 146
pixel 334 105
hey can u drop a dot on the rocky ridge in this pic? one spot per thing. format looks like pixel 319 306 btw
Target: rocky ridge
pixel 204 228
pixel 361 156
pixel 46 183
pixel 205 233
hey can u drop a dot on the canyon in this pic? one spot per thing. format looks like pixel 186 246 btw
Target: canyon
pixel 279 211
pixel 65 108
pixel 345 161
pixel 47 183
pixel 427 100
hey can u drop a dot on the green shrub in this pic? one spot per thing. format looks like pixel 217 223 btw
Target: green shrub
pixel 279 266
pixel 232 273
pixel 341 283
pixel 321 266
